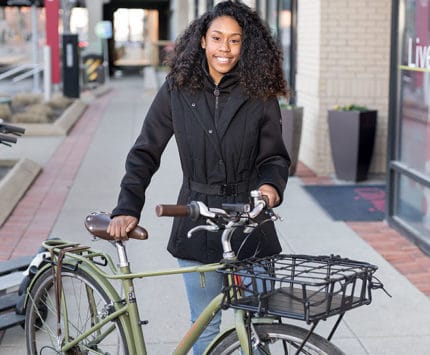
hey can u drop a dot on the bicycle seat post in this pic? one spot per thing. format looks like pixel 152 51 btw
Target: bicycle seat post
pixel 122 254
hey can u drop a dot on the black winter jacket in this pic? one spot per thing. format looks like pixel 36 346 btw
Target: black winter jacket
pixel 223 137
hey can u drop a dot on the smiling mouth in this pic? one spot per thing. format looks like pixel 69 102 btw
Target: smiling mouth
pixel 223 60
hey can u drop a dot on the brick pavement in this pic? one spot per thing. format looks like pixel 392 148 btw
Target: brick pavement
pixel 405 256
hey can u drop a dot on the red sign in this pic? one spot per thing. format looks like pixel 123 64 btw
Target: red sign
pixel 53 38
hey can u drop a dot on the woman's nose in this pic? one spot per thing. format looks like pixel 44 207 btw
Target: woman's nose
pixel 225 46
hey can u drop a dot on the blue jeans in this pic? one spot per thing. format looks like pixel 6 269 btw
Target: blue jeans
pixel 198 298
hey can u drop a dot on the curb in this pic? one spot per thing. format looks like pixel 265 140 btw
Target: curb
pixel 68 119
pixel 61 126
pixel 16 182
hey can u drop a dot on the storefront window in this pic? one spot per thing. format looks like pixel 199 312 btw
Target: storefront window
pixel 272 15
pixel 411 154
pixel 280 16
pixel 414 206
pixel 415 87
pixel 285 37
pixel 16 34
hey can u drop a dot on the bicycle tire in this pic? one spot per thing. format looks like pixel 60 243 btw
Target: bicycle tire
pixel 277 339
pixel 80 291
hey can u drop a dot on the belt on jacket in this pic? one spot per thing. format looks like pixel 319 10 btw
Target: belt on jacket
pixel 219 189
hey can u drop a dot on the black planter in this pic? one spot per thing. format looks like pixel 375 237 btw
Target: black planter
pixel 352 137
pixel 292 119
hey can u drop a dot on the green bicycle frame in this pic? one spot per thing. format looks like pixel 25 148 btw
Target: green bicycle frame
pixel 126 311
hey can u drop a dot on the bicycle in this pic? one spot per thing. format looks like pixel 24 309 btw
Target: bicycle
pixel 8 133
pixel 72 306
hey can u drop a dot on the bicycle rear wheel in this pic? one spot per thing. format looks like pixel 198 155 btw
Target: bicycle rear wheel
pixel 277 339
pixel 83 304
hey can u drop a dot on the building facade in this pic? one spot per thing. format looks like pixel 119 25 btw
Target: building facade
pixel 343 58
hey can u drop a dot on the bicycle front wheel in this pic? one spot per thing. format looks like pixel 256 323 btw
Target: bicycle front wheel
pixel 276 339
pixel 83 303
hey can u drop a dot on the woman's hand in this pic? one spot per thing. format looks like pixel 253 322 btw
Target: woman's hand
pixel 271 193
pixel 120 226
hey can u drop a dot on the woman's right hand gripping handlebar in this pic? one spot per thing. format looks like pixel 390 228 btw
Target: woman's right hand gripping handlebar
pixel 120 226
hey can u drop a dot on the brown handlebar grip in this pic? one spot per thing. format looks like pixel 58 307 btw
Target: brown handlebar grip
pixel 172 210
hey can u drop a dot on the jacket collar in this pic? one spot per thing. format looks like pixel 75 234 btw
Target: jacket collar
pixel 229 85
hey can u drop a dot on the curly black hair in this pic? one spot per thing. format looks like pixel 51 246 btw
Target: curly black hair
pixel 260 64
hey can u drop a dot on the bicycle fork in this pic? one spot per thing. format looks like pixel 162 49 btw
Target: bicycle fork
pixel 244 332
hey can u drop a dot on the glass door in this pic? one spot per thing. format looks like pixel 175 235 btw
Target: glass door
pixel 409 166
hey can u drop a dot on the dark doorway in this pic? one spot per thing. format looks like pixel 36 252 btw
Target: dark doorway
pixel 137 26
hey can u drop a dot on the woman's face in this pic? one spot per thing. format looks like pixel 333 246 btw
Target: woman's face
pixel 222 44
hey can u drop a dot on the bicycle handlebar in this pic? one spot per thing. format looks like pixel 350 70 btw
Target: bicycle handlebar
pixel 230 211
pixel 172 211
pixel 4 138
pixel 6 128
pixel 226 219
pixel 9 129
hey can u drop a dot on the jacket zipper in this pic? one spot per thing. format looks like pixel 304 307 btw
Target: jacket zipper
pixel 216 93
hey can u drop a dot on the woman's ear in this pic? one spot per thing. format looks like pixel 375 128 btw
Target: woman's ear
pixel 203 42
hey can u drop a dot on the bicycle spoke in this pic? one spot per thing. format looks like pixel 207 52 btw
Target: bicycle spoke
pixel 83 304
pixel 276 339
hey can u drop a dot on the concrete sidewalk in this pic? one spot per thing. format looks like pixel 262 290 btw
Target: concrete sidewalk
pixel 398 325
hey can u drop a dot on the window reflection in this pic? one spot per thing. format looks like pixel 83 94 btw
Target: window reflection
pixel 285 37
pixel 411 202
pixel 413 206
pixel 415 87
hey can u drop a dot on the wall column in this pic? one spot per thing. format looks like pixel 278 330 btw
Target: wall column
pixel 343 58
pixel 95 15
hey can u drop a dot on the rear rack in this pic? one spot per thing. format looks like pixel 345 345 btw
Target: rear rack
pixel 303 287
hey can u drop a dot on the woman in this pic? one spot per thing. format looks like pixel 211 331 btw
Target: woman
pixel 220 103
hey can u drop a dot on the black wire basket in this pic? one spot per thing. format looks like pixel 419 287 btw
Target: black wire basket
pixel 302 287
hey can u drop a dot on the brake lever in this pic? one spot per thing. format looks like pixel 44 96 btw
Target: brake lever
pixel 204 211
pixel 209 228
pixel 274 216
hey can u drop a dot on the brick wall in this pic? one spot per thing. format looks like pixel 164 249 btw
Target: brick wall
pixel 343 57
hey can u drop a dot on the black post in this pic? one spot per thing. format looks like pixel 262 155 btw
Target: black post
pixel 70 66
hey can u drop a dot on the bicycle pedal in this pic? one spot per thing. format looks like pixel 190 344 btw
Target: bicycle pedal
pixel 144 322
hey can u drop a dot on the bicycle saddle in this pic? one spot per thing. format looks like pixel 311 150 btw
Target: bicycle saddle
pixel 97 223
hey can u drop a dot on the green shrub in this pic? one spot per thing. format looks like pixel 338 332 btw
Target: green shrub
pixel 351 108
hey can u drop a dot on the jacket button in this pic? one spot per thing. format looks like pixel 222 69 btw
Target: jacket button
pixel 210 131
pixel 193 104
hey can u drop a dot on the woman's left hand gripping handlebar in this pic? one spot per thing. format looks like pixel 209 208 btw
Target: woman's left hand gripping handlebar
pixel 271 193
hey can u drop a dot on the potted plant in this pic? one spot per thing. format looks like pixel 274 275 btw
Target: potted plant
pixel 292 118
pixel 352 131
